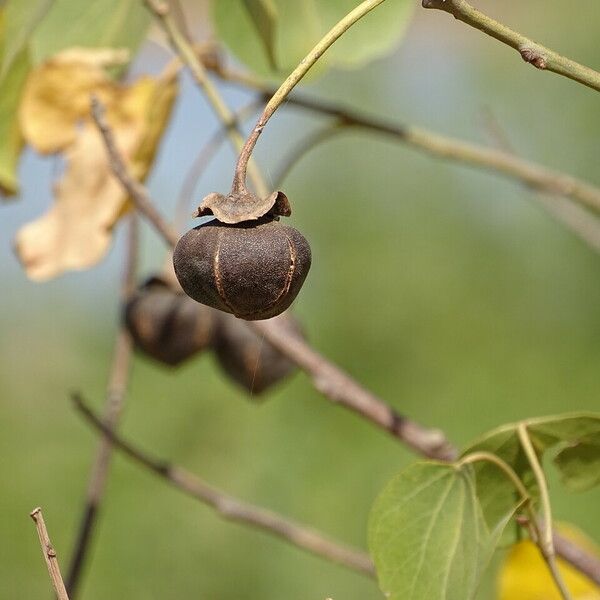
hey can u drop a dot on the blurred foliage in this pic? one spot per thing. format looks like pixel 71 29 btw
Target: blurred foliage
pixel 273 42
pixel 448 292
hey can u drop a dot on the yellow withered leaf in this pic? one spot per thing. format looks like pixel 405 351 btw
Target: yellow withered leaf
pixel 163 97
pixel 57 95
pixel 76 232
pixel 525 576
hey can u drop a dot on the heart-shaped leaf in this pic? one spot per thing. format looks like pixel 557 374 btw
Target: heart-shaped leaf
pixel 427 534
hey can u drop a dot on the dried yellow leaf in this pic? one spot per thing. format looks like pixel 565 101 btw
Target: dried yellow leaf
pixel 76 232
pixel 161 104
pixel 57 95
pixel 525 576
pixel 93 57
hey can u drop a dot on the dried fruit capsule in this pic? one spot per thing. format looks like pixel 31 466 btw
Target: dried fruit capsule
pixel 166 324
pixel 247 358
pixel 252 269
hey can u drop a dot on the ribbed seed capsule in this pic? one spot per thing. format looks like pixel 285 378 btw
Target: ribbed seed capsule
pixel 253 269
pixel 168 325
pixel 249 359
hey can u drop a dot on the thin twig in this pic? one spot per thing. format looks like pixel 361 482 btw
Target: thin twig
pixel 378 413
pixel 133 187
pixel 115 398
pixel 331 381
pixel 231 508
pixel 546 539
pixel 49 554
pixel 526 172
pixel 239 179
pixel 186 52
pixel 539 56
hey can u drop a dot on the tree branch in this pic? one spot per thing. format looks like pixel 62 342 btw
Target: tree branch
pixel 575 555
pixel 505 163
pixel 115 397
pixel 139 194
pixel 49 554
pixel 231 508
pixel 329 379
pixel 378 413
pixel 341 389
pixel 539 56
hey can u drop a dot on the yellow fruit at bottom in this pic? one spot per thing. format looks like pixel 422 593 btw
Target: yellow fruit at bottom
pixel 525 576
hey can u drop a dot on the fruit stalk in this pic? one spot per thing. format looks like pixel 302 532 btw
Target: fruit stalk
pixel 239 179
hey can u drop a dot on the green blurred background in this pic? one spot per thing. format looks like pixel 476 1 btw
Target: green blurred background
pixel 449 292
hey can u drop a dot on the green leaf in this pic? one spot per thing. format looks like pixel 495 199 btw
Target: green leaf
pixel 374 36
pixel 427 534
pixel 298 25
pixel 101 23
pixel 21 18
pixel 301 23
pixel 579 465
pixel 11 142
pixel 547 433
pixel 264 16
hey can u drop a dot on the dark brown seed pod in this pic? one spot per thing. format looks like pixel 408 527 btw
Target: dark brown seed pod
pixel 166 324
pixel 249 359
pixel 253 269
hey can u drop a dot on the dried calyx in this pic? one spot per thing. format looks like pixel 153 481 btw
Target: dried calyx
pixel 240 206
pixel 245 262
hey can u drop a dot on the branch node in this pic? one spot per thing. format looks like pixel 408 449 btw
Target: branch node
pixel 533 56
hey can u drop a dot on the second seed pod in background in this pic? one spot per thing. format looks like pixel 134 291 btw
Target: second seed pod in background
pixel 249 359
pixel 168 325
